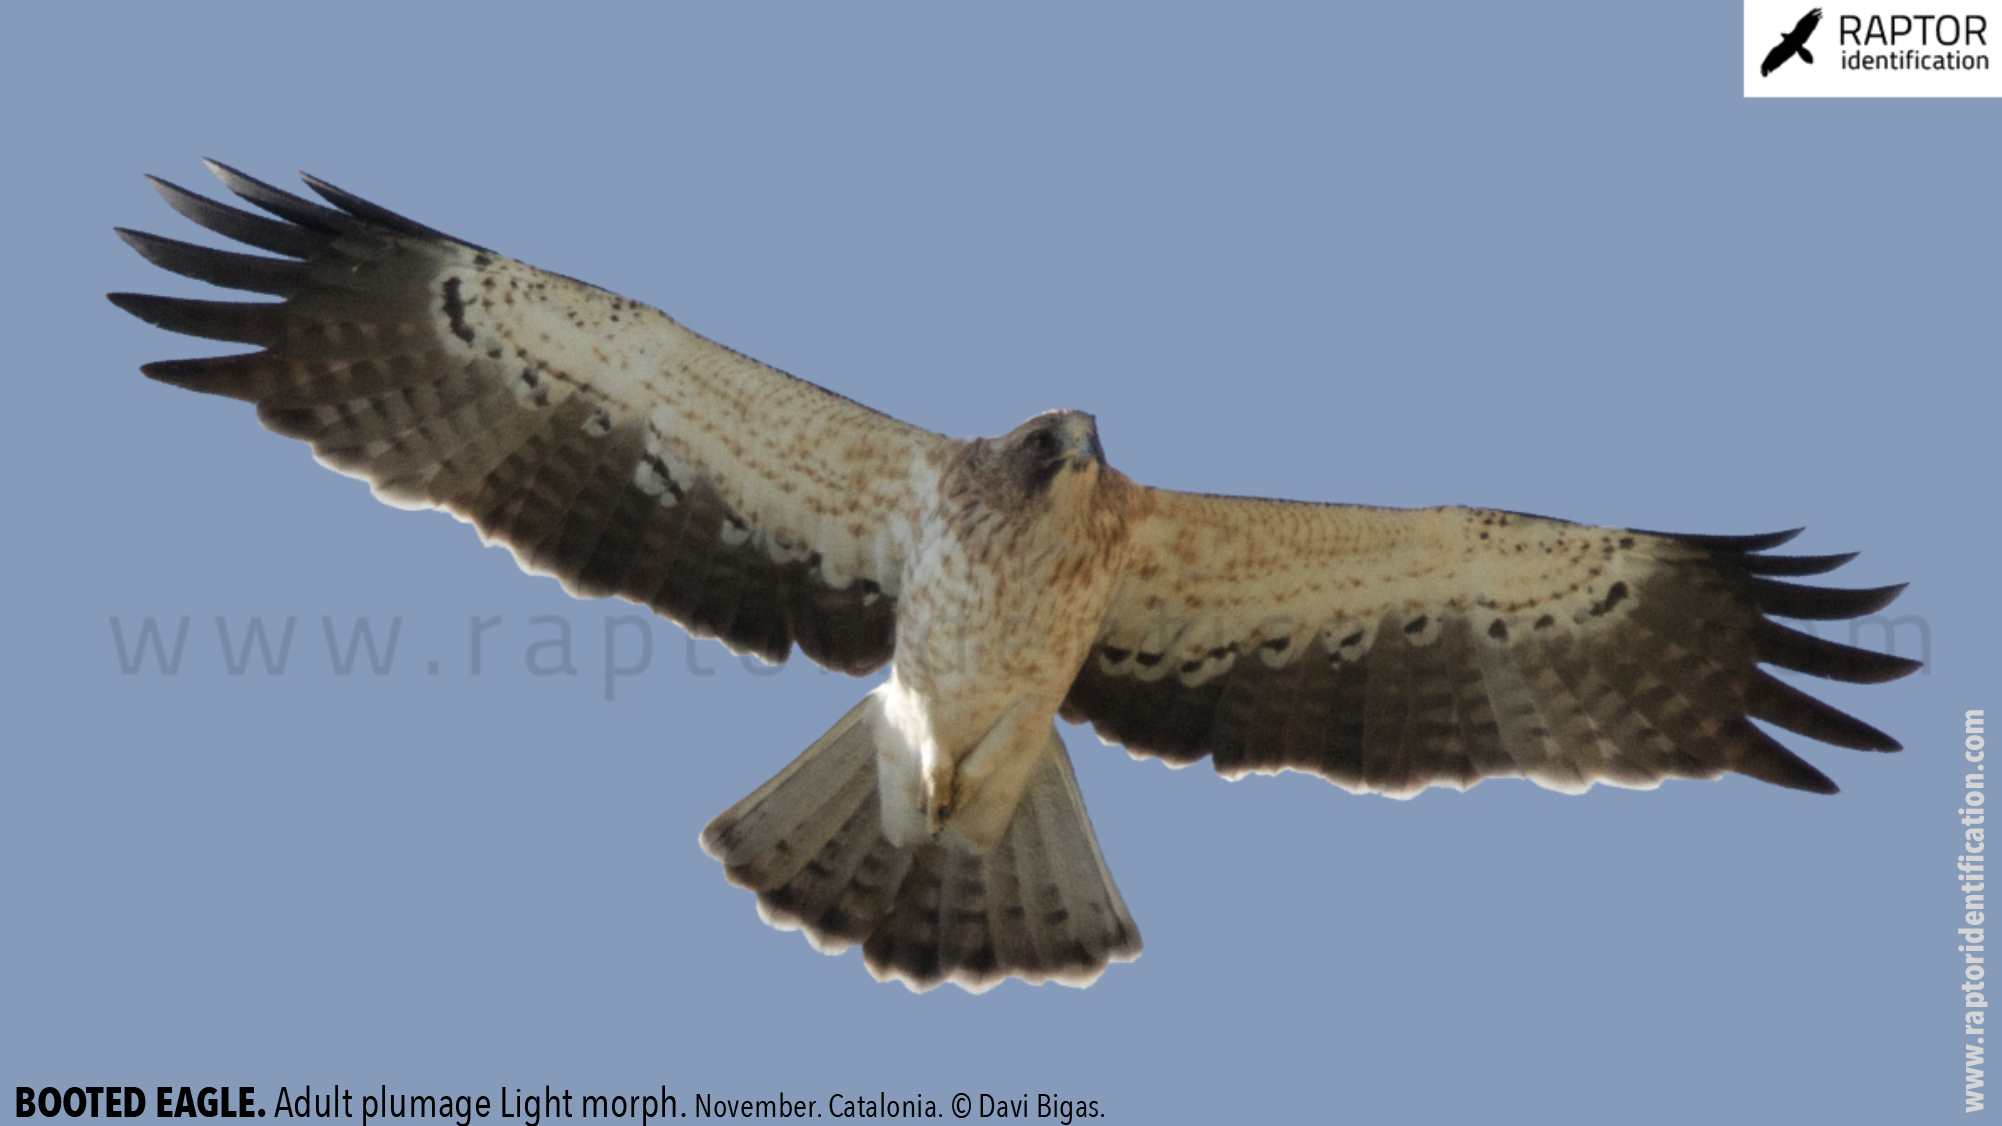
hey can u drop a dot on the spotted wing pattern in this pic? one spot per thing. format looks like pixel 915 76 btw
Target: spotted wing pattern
pixel 599 440
pixel 1390 650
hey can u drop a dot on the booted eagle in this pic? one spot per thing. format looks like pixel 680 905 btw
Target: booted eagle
pixel 1007 581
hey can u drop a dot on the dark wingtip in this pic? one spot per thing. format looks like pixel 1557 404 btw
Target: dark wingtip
pixel 374 213
pixel 1769 699
pixel 1795 566
pixel 1796 775
pixel 137 304
pixel 1762 542
pixel 209 377
pixel 169 372
pixel 1804 778
pixel 1762 757
pixel 174 193
pixel 1791 649
pixel 1903 666
pixel 378 215
pixel 223 171
pixel 234 180
pixel 1822 604
pixel 1758 542
pixel 276 276
pixel 283 204
pixel 242 226
pixel 238 322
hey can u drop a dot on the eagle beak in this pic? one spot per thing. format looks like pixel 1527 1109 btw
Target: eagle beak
pixel 1082 430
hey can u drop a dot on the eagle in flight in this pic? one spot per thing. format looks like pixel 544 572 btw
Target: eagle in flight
pixel 1792 43
pixel 1006 581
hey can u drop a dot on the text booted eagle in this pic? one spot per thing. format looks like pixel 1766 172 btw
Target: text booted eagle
pixel 1007 581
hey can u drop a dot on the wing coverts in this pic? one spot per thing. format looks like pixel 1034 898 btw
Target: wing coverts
pixel 615 483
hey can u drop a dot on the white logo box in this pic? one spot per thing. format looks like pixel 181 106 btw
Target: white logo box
pixel 1901 49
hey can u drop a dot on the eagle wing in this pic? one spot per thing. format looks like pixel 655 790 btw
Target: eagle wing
pixel 1389 650
pixel 1776 56
pixel 599 440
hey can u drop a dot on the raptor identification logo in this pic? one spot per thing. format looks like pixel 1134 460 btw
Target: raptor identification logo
pixel 1880 49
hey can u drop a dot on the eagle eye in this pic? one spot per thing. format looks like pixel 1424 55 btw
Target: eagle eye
pixel 1040 442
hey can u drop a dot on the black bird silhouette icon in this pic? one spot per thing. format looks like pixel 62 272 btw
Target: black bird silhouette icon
pixel 1792 43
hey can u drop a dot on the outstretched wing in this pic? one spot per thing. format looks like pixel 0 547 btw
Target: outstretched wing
pixel 1776 56
pixel 1389 650
pixel 1805 27
pixel 600 441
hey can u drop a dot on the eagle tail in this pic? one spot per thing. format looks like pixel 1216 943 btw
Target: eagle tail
pixel 1806 55
pixel 1040 905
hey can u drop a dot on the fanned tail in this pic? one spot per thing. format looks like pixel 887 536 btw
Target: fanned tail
pixel 1039 906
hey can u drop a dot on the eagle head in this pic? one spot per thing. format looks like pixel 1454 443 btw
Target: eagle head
pixel 1050 446
pixel 1051 466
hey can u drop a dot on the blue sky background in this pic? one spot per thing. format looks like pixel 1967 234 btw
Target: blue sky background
pixel 1537 257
